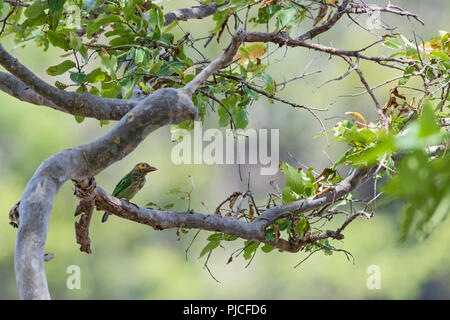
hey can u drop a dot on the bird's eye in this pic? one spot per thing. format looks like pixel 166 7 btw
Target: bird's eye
pixel 142 166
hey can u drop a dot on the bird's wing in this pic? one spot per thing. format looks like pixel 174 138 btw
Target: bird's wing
pixel 123 184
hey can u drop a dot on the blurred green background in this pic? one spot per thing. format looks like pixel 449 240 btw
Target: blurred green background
pixel 132 261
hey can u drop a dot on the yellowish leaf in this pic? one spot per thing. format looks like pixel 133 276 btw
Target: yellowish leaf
pixel 254 50
pixel 190 70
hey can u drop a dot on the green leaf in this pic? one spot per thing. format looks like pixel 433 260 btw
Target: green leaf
pixel 127 83
pixel 269 83
pixel 250 92
pixel 374 153
pixel 294 178
pixel 227 237
pixel 224 117
pixel 95 75
pixel 408 70
pixel 55 5
pixel 140 55
pixel 111 89
pixel 301 226
pixel 220 18
pixel 102 20
pixel 110 65
pixel 215 237
pixel 94 91
pixel 410 50
pixel 267 248
pixel 60 68
pixel 77 77
pixel 440 54
pixel 269 234
pixel 406 223
pixel 79 119
pixel 240 118
pixel 250 249
pixel 74 41
pixel 439 214
pixel 284 224
pixel 289 196
pixel 58 40
pixel 36 8
pixel 60 85
pixel 156 66
pixel 428 123
pixel 393 43
pixel 169 206
pixel 154 18
pixel 287 18
pixel 210 246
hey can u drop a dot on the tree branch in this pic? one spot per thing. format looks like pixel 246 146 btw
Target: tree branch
pixel 137 120
pixel 17 89
pixel 163 107
pixel 252 231
pixel 342 9
pixel 197 12
pixel 80 104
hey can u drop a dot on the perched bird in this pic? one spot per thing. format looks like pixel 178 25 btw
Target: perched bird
pixel 131 183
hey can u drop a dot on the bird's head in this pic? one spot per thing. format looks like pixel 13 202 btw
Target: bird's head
pixel 142 168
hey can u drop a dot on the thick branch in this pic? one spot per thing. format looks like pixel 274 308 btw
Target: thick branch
pixel 81 104
pixel 17 89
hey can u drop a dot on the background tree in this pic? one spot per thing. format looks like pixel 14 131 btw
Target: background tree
pixel 137 50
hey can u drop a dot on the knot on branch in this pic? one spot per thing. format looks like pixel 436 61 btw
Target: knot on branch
pixel 84 190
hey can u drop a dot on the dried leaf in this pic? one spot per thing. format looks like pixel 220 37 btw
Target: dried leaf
pixel 321 14
pixel 251 211
pixel 233 199
pixel 277 232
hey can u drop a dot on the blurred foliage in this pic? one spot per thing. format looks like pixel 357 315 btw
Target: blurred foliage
pixel 119 49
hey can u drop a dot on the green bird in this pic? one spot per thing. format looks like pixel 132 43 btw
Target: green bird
pixel 131 183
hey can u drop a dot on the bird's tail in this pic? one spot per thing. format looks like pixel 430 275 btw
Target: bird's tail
pixel 105 216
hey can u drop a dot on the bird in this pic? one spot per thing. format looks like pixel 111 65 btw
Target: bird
pixel 131 183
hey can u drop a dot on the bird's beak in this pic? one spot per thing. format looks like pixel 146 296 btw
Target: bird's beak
pixel 150 169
